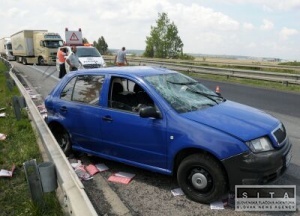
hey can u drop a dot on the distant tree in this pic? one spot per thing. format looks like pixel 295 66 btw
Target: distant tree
pixel 85 41
pixel 163 41
pixel 101 45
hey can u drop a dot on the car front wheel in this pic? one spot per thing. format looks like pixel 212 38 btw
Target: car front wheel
pixel 202 178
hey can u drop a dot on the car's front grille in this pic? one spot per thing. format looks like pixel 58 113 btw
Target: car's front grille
pixel 280 134
pixel 88 66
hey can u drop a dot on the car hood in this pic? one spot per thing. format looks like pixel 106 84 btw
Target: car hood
pixel 241 121
pixel 91 60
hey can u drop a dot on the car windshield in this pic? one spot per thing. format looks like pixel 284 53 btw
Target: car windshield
pixel 183 93
pixel 88 52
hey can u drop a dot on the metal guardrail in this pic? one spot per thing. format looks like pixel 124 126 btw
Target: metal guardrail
pixel 285 78
pixel 76 201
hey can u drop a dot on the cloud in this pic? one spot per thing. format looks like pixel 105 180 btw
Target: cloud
pixel 271 5
pixel 285 33
pixel 203 18
pixel 285 5
pixel 267 25
pixel 15 12
pixel 248 26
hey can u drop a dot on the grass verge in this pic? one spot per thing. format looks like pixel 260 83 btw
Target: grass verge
pixel 249 82
pixel 19 146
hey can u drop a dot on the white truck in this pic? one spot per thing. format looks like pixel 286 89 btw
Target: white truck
pixel 6 49
pixel 88 55
pixel 36 46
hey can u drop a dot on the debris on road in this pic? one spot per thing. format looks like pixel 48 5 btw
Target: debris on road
pixel 217 205
pixel 92 169
pixel 121 177
pixel 2 136
pixel 101 167
pixel 7 173
pixel 177 192
pixel 82 173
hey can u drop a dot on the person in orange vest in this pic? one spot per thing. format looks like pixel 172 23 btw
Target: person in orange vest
pixel 61 56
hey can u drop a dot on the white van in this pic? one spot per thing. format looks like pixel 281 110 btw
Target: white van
pixel 88 56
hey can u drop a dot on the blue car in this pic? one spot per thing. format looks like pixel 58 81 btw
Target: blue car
pixel 167 122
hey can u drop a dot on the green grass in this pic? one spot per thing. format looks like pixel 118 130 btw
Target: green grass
pixel 19 147
pixel 295 63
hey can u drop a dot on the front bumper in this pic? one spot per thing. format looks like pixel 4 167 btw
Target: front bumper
pixel 257 168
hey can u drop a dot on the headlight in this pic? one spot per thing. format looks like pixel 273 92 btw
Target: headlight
pixel 260 145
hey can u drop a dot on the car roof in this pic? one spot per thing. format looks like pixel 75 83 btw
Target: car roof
pixel 78 47
pixel 128 70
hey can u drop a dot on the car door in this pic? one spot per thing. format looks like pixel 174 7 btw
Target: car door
pixel 127 136
pixel 82 112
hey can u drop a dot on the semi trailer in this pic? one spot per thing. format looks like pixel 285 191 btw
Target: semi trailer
pixel 36 46
pixel 6 49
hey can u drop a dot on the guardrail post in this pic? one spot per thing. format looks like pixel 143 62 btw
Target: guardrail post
pixel 18 104
pixel 33 180
pixel 10 84
pixel 48 178
pixel 7 76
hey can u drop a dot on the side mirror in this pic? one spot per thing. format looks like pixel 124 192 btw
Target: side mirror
pixel 148 112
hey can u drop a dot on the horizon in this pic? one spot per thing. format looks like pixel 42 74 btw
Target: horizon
pixel 262 28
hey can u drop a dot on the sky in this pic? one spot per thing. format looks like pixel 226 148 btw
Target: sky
pixel 254 28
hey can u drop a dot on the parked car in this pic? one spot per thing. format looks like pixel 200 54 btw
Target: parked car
pixel 167 122
pixel 88 56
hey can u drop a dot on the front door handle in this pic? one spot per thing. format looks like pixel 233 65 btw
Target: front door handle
pixel 63 109
pixel 107 118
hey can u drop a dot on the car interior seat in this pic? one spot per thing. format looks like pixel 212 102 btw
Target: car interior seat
pixel 141 96
pixel 119 99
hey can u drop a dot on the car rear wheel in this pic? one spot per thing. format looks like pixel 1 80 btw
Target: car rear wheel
pixel 202 178
pixel 63 139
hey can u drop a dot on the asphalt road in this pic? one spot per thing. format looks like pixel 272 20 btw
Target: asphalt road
pixel 150 193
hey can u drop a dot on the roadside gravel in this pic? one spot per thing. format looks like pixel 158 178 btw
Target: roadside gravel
pixel 148 194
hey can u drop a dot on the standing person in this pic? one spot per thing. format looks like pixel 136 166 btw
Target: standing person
pixel 120 59
pixel 61 56
pixel 73 60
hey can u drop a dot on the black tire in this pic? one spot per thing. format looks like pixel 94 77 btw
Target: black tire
pixel 202 178
pixel 24 61
pixel 41 61
pixel 63 139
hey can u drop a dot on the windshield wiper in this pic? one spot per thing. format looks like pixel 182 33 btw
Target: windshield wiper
pixel 209 96
pixel 182 83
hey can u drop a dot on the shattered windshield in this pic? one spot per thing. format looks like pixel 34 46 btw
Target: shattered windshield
pixel 183 93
